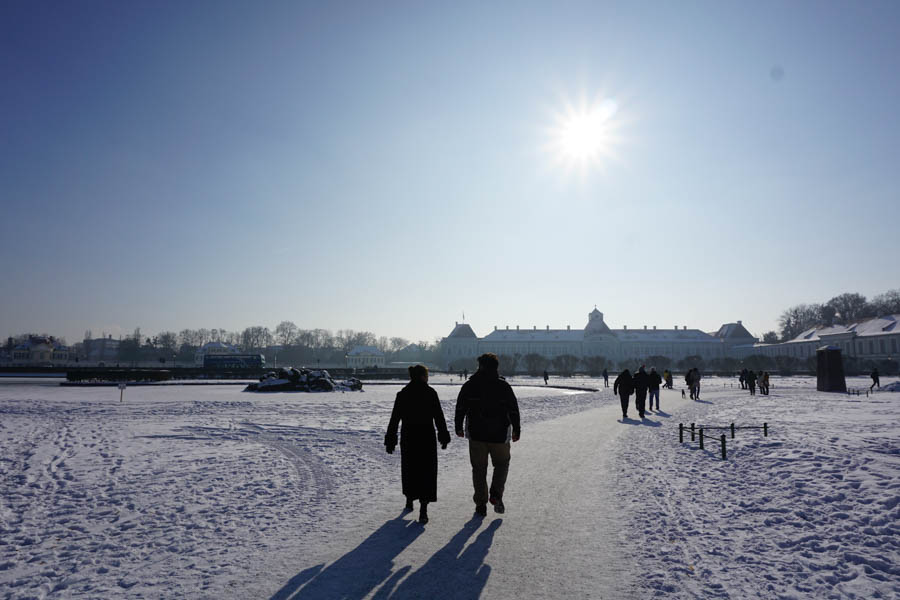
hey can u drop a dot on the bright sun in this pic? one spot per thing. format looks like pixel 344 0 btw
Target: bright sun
pixel 584 136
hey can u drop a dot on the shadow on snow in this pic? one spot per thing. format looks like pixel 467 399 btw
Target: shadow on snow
pixel 644 421
pixel 369 567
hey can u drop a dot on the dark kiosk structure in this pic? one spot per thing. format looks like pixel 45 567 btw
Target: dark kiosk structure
pixel 830 370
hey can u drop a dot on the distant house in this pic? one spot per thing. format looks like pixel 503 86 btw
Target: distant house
pixel 40 350
pixel 362 357
pixel 101 350
pixel 214 348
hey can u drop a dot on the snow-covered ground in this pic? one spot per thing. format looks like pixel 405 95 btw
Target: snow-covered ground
pixel 209 492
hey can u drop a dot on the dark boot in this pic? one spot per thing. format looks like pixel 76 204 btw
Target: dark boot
pixel 423 512
pixel 409 506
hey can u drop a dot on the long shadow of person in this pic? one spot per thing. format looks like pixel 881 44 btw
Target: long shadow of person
pixel 358 572
pixel 451 572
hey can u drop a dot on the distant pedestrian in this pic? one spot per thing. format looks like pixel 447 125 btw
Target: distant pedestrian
pixel 669 379
pixel 655 381
pixel 546 377
pixel 487 413
pixel 743 378
pixel 695 383
pixel 689 382
pixel 875 379
pixel 751 382
pixel 605 378
pixel 418 408
pixel 641 385
pixel 465 374
pixel 624 387
pixel 764 385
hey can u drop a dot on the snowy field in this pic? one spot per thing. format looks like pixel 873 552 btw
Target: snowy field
pixel 209 492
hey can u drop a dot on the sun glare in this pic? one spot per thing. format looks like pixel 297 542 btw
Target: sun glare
pixel 585 136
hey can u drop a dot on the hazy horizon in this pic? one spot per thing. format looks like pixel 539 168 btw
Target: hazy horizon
pixel 388 167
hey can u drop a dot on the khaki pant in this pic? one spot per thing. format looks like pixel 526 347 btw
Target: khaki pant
pixel 478 455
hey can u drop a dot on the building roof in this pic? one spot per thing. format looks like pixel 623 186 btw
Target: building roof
pixel 867 328
pixel 535 335
pixel 663 335
pixel 732 331
pixel 365 350
pixel 462 330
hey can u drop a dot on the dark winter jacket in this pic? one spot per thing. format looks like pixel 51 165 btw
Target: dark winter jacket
pixel 624 384
pixel 655 381
pixel 641 382
pixel 486 409
pixel 418 408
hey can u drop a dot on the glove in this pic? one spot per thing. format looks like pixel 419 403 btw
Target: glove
pixel 444 438
pixel 390 442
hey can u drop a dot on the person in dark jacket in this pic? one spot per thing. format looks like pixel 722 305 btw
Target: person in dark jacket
pixel 655 382
pixel 546 377
pixel 418 408
pixel 487 413
pixel 876 380
pixel 624 387
pixel 605 378
pixel 641 385
pixel 751 381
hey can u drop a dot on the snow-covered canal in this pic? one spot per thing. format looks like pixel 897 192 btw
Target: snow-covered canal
pixel 209 492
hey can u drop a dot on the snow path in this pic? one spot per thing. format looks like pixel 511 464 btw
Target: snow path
pixel 561 536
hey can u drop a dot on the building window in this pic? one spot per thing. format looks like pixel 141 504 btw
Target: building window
pixel 893 344
pixel 881 346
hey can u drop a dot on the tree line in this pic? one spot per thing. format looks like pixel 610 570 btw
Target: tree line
pixel 844 309
pixel 287 343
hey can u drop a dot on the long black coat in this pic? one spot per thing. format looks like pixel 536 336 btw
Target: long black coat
pixel 418 409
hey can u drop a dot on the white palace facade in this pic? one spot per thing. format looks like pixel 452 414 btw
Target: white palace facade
pixel 597 339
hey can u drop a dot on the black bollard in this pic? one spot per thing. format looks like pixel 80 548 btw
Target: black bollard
pixel 681 433
pixel 732 431
pixel 765 430
pixel 692 432
pixel 701 438
pixel 723 447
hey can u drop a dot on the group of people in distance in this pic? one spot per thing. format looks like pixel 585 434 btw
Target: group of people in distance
pixel 487 414
pixel 639 384
pixel 749 380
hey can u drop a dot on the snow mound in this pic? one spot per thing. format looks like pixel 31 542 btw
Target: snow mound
pixel 303 380
pixel 892 387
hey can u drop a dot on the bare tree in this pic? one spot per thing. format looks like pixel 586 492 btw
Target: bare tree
pixel 398 343
pixel 798 319
pixel 850 307
pixel 168 341
pixel 887 303
pixel 286 333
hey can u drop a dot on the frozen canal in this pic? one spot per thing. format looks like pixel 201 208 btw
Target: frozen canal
pixel 206 491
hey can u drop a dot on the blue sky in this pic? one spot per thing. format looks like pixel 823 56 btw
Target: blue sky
pixel 385 166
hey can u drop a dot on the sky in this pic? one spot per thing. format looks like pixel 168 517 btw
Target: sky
pixel 389 166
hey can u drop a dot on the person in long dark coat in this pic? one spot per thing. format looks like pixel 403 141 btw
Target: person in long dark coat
pixel 624 387
pixel 418 408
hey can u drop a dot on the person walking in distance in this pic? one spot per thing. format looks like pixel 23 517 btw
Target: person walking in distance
pixel 641 384
pixel 876 380
pixel 695 381
pixel 487 413
pixel 624 386
pixel 655 382
pixel 417 406
pixel 546 377
pixel 751 381
pixel 605 378
pixel 689 382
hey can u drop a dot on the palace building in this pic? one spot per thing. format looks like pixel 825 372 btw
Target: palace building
pixel 597 339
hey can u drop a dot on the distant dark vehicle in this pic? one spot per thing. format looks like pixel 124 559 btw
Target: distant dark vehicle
pixel 234 361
